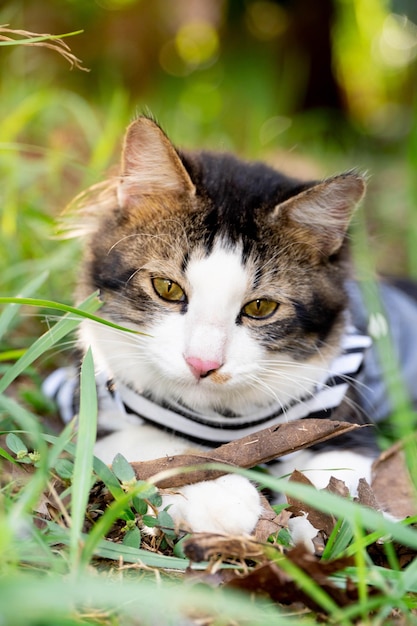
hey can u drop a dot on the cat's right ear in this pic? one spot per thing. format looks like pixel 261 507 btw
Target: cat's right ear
pixel 150 165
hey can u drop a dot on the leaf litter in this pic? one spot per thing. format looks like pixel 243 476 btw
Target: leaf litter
pixel 265 564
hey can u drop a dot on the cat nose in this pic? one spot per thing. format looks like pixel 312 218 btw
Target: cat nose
pixel 201 368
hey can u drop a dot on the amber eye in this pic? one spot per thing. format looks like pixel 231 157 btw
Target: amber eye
pixel 260 309
pixel 168 290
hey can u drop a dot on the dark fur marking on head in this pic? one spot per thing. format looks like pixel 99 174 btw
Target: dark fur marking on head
pixel 110 273
pixel 318 315
pixel 236 196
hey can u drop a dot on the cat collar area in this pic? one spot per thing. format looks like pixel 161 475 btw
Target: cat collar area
pixel 216 429
pixel 121 405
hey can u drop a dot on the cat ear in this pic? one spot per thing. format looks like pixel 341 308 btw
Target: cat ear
pixel 319 216
pixel 150 164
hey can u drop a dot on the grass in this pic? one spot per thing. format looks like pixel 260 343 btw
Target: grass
pixel 71 571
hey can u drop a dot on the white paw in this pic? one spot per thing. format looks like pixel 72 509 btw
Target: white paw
pixel 228 505
pixel 302 531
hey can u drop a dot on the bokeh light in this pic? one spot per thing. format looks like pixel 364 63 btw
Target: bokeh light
pixel 266 20
pixel 397 43
pixel 197 42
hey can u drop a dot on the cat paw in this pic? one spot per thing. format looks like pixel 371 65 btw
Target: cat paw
pixel 303 532
pixel 229 505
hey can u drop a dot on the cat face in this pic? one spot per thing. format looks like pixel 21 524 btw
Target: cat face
pixel 234 272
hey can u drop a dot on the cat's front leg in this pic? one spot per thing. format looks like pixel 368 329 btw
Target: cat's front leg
pixel 227 505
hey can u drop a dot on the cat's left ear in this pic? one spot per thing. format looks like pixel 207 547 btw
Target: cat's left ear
pixel 319 216
pixel 150 165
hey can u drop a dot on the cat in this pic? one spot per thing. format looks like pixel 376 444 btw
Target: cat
pixel 240 279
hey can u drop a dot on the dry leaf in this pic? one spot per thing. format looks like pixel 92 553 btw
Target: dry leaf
pixel 265 445
pixel 269 522
pixel 337 487
pixel 366 495
pixel 392 485
pixel 319 520
pixel 272 580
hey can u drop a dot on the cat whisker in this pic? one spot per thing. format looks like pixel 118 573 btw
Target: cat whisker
pixel 280 368
pixel 122 239
pixel 359 387
pixel 179 223
pixel 257 383
pixel 159 237
pixel 132 355
pixel 70 344
pixel 326 371
pixel 135 337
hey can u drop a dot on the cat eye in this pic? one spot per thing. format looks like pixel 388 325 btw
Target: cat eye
pixel 260 309
pixel 168 290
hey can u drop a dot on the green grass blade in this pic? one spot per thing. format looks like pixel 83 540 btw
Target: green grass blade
pixel 361 562
pixel 83 462
pixel 10 312
pixel 62 328
pixel 114 551
pixel 5 455
pixel 11 355
pixel 339 539
pixel 410 576
pixel 80 311
pixel 61 443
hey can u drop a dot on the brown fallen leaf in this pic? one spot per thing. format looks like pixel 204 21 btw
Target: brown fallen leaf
pixel 366 495
pixel 265 445
pixel 337 487
pixel 269 522
pixel 272 580
pixel 321 521
pixel 392 485
pixel 17 476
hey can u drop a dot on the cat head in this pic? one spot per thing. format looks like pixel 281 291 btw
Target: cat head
pixel 234 271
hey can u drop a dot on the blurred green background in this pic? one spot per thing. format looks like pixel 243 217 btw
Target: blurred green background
pixel 312 87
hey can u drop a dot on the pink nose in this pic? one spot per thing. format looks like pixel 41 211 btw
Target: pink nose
pixel 201 368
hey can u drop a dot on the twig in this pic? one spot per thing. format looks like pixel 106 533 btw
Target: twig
pixel 266 445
